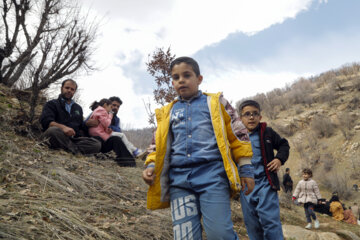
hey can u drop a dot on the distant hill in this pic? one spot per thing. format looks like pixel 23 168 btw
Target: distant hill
pixel 320 116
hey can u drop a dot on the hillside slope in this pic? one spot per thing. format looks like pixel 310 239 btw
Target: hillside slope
pixel 320 116
pixel 47 194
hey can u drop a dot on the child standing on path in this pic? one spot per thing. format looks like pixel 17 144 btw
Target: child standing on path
pixel 198 140
pixel 260 208
pixel 307 192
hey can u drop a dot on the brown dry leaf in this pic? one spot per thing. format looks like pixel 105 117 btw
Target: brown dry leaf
pixel 6 218
pixel 24 192
pixel 46 219
pixel 13 213
pixel 70 189
pixel 2 191
pixel 106 225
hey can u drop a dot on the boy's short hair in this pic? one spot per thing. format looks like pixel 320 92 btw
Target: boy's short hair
pixel 308 171
pixel 117 99
pixel 249 103
pixel 188 60
pixel 287 169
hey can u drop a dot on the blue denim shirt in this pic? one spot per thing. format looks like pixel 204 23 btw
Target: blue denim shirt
pixel 193 135
pixel 194 141
pixel 256 159
pixel 68 105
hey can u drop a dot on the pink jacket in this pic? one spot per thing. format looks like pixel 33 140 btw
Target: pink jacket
pixel 104 122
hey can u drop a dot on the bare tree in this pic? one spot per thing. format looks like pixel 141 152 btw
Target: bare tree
pixel 159 67
pixel 45 50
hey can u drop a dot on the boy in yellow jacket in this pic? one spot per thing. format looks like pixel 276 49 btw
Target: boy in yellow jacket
pixel 199 142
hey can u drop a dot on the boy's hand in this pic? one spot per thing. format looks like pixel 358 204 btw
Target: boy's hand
pixel 249 182
pixel 148 175
pixel 274 165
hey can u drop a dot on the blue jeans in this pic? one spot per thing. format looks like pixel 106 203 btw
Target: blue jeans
pixel 201 192
pixel 262 212
pixel 309 211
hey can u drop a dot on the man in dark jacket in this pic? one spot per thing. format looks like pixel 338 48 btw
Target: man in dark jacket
pixel 287 181
pixel 62 121
pixel 261 208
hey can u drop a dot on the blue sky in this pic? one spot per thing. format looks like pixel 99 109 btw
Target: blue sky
pixel 243 47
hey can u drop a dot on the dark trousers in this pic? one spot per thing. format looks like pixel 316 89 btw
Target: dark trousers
pixel 57 139
pixel 123 156
pixel 309 211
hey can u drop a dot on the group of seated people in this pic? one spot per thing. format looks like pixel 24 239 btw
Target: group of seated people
pixel 64 127
pixel 337 210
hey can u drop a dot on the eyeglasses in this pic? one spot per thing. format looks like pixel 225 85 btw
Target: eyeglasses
pixel 250 114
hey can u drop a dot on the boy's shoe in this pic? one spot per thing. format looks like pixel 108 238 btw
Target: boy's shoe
pixel 316 224
pixel 308 226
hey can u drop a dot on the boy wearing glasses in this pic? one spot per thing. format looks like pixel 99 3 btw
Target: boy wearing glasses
pixel 261 207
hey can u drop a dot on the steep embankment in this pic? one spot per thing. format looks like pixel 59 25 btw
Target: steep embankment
pixel 46 194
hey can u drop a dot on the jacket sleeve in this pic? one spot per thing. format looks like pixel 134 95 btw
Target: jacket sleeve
pixel 103 117
pixel 282 146
pixel 316 191
pixel 297 190
pixel 237 135
pixel 48 115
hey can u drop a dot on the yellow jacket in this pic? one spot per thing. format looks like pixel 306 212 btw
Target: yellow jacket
pixel 337 210
pixel 231 148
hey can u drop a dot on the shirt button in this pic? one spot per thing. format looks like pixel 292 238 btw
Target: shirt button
pixel 188 155
pixel 189 118
pixel 189 136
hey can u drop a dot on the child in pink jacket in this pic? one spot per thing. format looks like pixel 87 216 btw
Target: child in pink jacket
pixel 102 113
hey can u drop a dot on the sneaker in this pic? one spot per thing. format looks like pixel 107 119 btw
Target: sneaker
pixel 138 152
pixel 308 226
pixel 316 224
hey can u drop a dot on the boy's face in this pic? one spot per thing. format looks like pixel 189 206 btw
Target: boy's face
pixel 251 117
pixel 185 81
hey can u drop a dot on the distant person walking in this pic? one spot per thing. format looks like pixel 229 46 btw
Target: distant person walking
pixel 308 193
pixel 287 181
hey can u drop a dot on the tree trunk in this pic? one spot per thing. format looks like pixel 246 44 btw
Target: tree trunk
pixel 33 101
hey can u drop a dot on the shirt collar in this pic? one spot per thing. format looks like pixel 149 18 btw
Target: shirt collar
pixel 194 97
pixel 68 105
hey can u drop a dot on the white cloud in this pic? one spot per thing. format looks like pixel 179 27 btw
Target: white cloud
pixel 140 26
pixel 239 84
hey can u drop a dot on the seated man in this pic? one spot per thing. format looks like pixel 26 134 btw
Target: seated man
pixel 117 143
pixel 62 121
pixel 115 126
